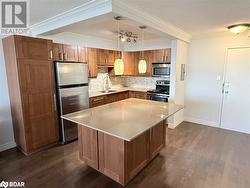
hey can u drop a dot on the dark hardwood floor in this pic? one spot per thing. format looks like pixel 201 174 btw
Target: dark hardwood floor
pixel 195 156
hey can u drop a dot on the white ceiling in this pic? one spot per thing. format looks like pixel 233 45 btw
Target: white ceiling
pixel 197 17
pixel 43 9
pixel 105 26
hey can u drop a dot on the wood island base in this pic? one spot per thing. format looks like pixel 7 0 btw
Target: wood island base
pixel 116 158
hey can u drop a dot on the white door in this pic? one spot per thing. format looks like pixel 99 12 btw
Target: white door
pixel 236 95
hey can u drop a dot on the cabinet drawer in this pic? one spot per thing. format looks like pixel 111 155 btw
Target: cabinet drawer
pixel 138 94
pixel 97 101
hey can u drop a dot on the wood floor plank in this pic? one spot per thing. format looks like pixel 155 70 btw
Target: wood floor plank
pixel 195 156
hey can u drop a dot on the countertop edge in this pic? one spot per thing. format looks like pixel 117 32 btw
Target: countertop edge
pixel 128 140
pixel 98 93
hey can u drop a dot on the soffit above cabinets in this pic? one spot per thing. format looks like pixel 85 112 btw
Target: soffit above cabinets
pixel 96 9
pixel 105 26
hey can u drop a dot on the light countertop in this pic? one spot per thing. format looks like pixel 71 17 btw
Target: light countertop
pixel 117 90
pixel 124 119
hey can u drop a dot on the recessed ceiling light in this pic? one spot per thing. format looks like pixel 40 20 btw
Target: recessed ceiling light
pixel 239 28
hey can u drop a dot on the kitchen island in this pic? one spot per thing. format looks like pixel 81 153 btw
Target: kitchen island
pixel 119 139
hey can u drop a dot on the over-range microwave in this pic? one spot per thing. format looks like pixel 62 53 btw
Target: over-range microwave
pixel 161 69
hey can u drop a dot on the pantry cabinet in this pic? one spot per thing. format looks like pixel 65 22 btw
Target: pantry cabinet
pixel 31 82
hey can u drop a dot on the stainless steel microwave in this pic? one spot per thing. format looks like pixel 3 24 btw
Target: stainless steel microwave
pixel 161 69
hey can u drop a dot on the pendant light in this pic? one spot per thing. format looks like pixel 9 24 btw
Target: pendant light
pixel 118 65
pixel 142 65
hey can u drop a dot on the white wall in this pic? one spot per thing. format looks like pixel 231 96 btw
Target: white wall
pixel 6 128
pixel 179 56
pixel 203 90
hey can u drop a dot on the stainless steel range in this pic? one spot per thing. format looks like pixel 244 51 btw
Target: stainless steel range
pixel 72 95
pixel 161 91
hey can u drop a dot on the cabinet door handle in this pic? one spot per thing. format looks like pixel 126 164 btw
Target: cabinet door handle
pixel 64 56
pixel 60 56
pixel 55 104
pixel 50 54
pixel 163 58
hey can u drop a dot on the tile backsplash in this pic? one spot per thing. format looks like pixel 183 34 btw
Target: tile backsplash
pixel 96 84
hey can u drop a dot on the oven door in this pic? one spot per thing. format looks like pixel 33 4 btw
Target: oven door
pixel 158 97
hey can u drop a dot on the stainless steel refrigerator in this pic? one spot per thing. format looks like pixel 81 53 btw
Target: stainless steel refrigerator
pixel 72 95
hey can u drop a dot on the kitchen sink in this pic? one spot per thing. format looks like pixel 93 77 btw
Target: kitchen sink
pixel 109 91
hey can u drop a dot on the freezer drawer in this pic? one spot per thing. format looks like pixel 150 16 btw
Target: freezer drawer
pixel 71 100
pixel 71 73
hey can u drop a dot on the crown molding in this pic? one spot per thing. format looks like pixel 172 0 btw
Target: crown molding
pixel 85 11
pixel 142 17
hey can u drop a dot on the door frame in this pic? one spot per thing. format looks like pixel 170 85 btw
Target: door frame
pixel 224 77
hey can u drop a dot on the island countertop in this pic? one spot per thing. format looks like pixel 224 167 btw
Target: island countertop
pixel 124 119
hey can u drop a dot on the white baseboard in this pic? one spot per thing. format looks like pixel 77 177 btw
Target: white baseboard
pixel 7 145
pixel 202 122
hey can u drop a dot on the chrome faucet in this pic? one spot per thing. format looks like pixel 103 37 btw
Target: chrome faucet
pixel 106 83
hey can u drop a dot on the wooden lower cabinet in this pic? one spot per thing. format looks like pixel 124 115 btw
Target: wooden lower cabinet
pixel 138 94
pixel 119 159
pixel 109 98
pixel 88 149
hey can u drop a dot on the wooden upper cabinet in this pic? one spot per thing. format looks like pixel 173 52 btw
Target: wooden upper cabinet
pixel 159 55
pixel 33 48
pixel 162 55
pixel 106 57
pixel 149 57
pixel 129 63
pixel 111 57
pixel 168 54
pixel 65 52
pixel 57 52
pixel 137 56
pixel 82 54
pixel 70 53
pixel 102 56
pixel 92 62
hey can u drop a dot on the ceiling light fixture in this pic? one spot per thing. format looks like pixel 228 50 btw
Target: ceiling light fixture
pixel 128 36
pixel 238 28
pixel 142 66
pixel 118 65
